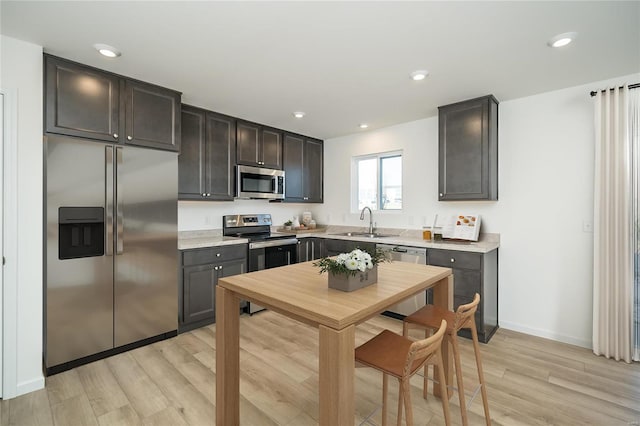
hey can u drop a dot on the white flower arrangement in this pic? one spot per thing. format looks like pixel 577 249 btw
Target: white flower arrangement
pixel 351 263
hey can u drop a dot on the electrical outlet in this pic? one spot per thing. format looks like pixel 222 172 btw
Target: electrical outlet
pixel 587 226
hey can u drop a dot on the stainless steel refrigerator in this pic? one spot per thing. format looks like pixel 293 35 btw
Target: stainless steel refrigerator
pixel 111 248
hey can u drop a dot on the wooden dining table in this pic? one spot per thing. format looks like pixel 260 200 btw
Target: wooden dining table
pixel 298 291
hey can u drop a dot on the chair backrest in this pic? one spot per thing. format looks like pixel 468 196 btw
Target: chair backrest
pixel 422 350
pixel 465 313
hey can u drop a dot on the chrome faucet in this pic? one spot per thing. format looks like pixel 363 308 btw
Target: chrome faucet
pixel 370 218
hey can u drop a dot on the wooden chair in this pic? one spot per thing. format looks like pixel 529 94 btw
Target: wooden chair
pixel 401 358
pixel 428 318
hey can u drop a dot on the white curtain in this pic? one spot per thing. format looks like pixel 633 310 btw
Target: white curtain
pixel 634 133
pixel 613 273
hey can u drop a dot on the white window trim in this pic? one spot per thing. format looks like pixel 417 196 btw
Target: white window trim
pixel 354 180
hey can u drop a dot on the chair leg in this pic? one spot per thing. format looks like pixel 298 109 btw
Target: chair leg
pixel 425 389
pixel 443 388
pixel 385 388
pixel 456 358
pixel 400 398
pixel 408 409
pixel 483 386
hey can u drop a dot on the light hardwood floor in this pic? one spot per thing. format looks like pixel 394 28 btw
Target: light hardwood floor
pixel 531 381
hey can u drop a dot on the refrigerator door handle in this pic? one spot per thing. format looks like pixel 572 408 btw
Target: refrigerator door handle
pixel 109 200
pixel 118 201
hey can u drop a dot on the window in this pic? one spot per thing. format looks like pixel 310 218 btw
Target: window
pixel 378 181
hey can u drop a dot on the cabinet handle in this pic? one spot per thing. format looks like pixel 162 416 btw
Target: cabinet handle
pixel 204 195
pixel 441 194
pixel 115 136
pixel 215 268
pixel 217 254
pixel 129 138
pixel 220 267
pixel 208 194
pixel 452 260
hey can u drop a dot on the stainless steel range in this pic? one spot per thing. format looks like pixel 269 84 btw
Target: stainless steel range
pixel 265 250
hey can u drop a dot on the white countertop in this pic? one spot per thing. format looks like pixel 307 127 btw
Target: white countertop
pixel 406 240
pixel 208 238
pixel 212 238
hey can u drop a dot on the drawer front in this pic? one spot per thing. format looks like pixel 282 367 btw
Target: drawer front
pixel 454 259
pixel 213 254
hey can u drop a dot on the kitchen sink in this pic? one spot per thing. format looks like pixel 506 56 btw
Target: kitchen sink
pixel 365 234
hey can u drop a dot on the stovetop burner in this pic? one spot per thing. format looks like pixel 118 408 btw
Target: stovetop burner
pixel 256 228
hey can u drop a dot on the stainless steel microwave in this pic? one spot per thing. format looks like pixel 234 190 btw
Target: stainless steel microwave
pixel 256 182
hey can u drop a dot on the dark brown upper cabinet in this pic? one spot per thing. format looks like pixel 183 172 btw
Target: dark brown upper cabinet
pixel 152 116
pixel 259 146
pixel 468 150
pixel 87 102
pixel 303 167
pixel 207 157
pixel 81 101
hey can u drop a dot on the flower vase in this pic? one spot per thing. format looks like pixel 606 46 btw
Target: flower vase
pixel 345 282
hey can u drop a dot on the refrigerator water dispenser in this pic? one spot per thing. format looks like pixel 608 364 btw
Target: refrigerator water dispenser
pixel 81 232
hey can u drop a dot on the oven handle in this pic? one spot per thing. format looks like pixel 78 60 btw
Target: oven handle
pixel 272 243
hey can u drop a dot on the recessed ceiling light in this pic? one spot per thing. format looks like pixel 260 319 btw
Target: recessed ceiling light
pixel 562 39
pixel 106 50
pixel 419 75
pixel 364 125
pixel 298 114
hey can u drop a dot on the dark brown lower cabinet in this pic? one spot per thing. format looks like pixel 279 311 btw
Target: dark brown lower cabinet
pixel 310 249
pixel 472 273
pixel 335 247
pixel 201 270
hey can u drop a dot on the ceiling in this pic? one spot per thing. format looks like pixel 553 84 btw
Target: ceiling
pixel 343 63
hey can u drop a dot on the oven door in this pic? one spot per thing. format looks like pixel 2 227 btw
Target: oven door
pixel 270 257
pixel 280 256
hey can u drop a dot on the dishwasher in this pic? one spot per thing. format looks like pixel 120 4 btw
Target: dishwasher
pixel 411 255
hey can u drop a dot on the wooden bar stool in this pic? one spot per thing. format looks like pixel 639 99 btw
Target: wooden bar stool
pixel 428 318
pixel 401 358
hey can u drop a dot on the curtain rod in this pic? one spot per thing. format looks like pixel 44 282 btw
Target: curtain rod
pixel 631 86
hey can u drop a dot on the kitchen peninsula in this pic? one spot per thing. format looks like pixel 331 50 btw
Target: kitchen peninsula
pixel 299 292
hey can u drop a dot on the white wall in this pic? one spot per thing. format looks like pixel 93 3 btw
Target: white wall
pixel 21 65
pixel 545 196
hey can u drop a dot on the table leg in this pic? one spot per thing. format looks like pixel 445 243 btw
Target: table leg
pixel 227 358
pixel 336 375
pixel 443 297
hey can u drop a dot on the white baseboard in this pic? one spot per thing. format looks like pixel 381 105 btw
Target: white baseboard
pixel 546 334
pixel 30 386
